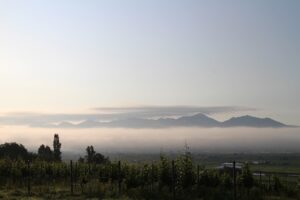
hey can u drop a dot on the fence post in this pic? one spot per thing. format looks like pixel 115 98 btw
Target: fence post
pixel 28 178
pixel 234 181
pixel 198 175
pixel 71 168
pixel 260 178
pixel 173 179
pixel 269 182
pixel 119 177
pixel 152 176
pixel 75 174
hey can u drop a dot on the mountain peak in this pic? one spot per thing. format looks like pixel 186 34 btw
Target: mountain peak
pixel 250 121
pixel 197 120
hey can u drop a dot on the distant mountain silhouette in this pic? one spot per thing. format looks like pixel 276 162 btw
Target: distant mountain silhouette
pixel 198 120
pixel 250 121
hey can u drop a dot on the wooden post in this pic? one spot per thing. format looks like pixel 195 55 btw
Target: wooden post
pixel 234 181
pixel 173 179
pixel 260 178
pixel 28 178
pixel 119 177
pixel 71 168
pixel 198 175
pixel 75 173
pixel 152 176
pixel 269 182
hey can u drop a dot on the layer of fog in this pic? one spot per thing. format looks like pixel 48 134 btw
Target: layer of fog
pixel 156 140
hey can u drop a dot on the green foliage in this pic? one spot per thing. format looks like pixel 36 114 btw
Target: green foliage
pixel 277 184
pixel 13 151
pixel 164 171
pixel 97 177
pixel 138 181
pixel 226 181
pixel 246 178
pixel 45 153
pixel 93 157
pixel 209 178
pixel 185 170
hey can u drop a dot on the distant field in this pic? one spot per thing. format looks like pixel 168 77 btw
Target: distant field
pixel 268 161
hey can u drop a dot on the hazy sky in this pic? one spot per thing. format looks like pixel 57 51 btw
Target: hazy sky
pixel 69 56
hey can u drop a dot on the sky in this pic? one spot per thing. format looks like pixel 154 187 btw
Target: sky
pixel 73 56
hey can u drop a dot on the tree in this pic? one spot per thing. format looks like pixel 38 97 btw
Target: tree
pixel 13 151
pixel 90 154
pixel 45 153
pixel 99 159
pixel 93 157
pixel 56 148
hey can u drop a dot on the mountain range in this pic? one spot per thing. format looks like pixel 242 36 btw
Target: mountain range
pixel 198 120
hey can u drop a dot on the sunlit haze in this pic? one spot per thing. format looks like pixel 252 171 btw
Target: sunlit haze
pixel 67 62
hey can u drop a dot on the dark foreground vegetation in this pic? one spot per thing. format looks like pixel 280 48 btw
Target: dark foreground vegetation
pixel 44 175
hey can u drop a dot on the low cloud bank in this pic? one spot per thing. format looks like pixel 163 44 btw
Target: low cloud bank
pixel 109 114
pixel 120 140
